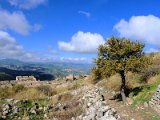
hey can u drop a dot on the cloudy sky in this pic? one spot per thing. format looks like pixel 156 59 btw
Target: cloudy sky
pixel 71 30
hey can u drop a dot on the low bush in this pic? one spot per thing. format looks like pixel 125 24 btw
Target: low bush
pixel 5 92
pixel 65 97
pixel 152 71
pixel 72 108
pixel 47 90
pixel 67 114
pixel 18 87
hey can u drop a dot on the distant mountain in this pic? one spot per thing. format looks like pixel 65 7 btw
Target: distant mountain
pixel 10 68
pixel 8 74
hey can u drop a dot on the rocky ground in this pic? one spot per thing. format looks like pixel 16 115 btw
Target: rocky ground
pixel 87 102
pixel 92 103
pixel 96 108
pixel 131 112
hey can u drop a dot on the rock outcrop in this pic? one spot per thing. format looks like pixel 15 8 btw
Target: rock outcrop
pixel 15 109
pixel 155 100
pixel 95 107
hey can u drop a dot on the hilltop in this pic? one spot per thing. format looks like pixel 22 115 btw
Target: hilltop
pixel 10 68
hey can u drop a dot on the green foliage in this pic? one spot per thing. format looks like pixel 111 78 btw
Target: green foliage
pixel 36 117
pixel 18 87
pixel 138 78
pixel 145 92
pixel 119 55
pixel 26 104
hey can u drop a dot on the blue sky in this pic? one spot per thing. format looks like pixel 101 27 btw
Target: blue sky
pixel 71 30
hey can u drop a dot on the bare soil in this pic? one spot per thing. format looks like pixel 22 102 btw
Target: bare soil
pixel 131 112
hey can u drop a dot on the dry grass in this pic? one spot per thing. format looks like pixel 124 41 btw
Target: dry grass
pixel 154 79
pixel 7 92
pixel 47 90
pixel 61 98
pixel 156 59
pixel 54 100
pixel 67 114
pixel 113 83
pixel 65 97
pixel 61 89
pixel 31 93
pixel 71 109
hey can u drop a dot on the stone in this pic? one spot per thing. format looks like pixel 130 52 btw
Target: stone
pixel 5 113
pixel 145 104
pixel 9 100
pixel 96 108
pixel 89 104
pixel 33 111
pixel 129 101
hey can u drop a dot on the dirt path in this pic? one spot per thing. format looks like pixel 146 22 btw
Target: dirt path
pixel 130 112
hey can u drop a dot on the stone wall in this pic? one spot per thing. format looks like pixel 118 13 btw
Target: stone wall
pixel 70 77
pixel 25 78
pixel 10 83
pixel 155 100
pixel 96 107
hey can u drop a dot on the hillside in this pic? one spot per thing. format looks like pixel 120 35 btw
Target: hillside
pixel 9 69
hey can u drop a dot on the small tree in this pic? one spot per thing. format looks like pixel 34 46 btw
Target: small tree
pixel 119 55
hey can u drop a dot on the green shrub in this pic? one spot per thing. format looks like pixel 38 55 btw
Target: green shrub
pixel 18 87
pixel 26 104
pixel 138 78
pixel 96 74
pixel 47 90
pixel 5 92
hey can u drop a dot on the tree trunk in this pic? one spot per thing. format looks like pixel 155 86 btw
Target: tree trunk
pixel 123 86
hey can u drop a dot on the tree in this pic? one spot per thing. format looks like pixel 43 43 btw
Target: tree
pixel 120 55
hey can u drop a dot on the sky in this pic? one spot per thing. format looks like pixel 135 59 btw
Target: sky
pixel 72 30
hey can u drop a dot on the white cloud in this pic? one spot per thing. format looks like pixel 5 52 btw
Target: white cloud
pixel 37 27
pixel 87 14
pixel 27 4
pixel 9 48
pixel 17 22
pixel 82 42
pixel 145 28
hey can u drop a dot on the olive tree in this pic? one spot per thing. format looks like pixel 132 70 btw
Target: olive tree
pixel 119 55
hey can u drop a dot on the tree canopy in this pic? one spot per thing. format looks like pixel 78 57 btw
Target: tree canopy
pixel 119 55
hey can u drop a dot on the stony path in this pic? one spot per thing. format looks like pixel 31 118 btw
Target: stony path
pixel 96 108
pixel 128 112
